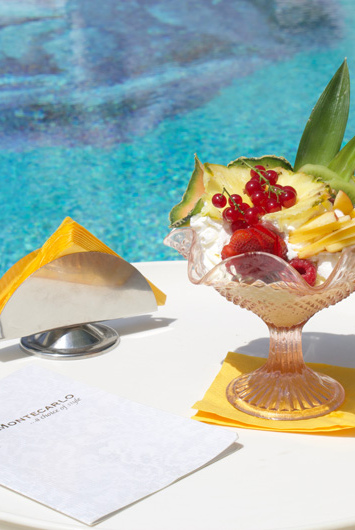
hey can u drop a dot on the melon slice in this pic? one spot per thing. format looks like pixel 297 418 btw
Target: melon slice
pixel 191 202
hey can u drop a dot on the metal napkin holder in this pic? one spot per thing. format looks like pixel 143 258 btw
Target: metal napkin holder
pixel 56 310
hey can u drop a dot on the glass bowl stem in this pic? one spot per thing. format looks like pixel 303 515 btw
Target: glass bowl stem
pixel 284 388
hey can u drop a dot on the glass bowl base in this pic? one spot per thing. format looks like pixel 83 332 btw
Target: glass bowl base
pixel 282 396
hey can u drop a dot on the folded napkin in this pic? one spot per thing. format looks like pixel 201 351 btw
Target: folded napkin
pixel 215 408
pixel 69 238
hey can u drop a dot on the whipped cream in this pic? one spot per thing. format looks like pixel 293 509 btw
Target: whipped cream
pixel 326 262
pixel 291 249
pixel 213 235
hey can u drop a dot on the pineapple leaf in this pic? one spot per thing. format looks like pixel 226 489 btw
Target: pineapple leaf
pixel 344 162
pixel 331 178
pixel 324 131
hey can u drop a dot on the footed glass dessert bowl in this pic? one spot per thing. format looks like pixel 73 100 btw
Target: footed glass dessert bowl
pixel 284 388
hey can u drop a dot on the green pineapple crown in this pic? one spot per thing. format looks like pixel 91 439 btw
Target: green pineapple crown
pixel 319 152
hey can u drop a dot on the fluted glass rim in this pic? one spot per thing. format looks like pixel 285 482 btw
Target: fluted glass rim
pixel 198 274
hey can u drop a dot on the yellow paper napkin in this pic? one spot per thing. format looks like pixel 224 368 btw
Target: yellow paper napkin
pixel 215 408
pixel 70 237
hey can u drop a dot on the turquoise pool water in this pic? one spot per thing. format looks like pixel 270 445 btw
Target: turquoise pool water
pixel 102 109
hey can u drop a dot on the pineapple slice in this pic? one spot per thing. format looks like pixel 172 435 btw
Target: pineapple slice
pixel 217 177
pixel 312 195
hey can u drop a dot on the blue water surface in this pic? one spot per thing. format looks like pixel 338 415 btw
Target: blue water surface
pixel 103 105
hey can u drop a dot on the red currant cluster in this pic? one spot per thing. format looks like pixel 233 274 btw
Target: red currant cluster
pixel 266 195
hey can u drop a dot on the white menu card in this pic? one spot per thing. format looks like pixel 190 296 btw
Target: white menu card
pixel 87 453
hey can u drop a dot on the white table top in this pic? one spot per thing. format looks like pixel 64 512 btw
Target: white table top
pixel 275 481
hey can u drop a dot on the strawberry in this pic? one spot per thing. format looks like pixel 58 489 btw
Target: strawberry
pixel 249 240
pixel 234 250
pixel 280 247
pixel 227 252
pixel 266 237
pixel 306 268
pixel 254 239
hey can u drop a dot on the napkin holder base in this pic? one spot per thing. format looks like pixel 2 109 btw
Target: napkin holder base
pixel 81 341
pixel 56 310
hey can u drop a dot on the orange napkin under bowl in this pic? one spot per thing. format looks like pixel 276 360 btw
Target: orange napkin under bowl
pixel 214 408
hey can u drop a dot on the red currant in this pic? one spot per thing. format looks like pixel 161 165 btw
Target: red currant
pixel 252 215
pixel 230 215
pixel 258 198
pixel 235 199
pixel 254 173
pixel 272 176
pixel 252 186
pixel 244 206
pixel 272 205
pixel 288 198
pixel 237 225
pixel 291 188
pixel 219 200
pixel 274 196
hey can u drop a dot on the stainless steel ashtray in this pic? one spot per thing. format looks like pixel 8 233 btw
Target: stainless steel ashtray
pixel 55 310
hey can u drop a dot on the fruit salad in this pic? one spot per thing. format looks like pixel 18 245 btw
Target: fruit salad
pixel 303 214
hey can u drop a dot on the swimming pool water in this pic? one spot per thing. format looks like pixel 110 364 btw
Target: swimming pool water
pixel 103 108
